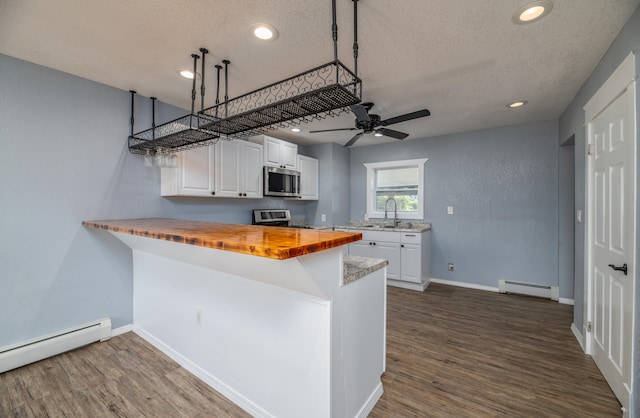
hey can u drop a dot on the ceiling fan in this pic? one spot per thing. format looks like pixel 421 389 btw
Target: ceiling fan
pixel 369 123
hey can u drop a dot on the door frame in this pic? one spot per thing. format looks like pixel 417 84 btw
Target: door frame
pixel 622 79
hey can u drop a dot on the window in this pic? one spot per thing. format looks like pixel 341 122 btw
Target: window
pixel 402 181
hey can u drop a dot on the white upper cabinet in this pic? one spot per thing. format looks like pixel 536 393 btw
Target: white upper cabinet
pixel 279 153
pixel 308 168
pixel 193 175
pixel 238 169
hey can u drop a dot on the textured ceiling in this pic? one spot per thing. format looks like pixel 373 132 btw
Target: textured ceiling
pixel 461 59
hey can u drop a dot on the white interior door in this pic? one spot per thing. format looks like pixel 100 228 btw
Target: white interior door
pixel 612 226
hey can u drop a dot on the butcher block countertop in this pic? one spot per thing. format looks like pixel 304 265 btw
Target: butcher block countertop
pixel 263 241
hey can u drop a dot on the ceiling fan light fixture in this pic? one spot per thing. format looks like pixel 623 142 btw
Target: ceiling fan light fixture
pixel 532 12
pixel 377 134
pixel 295 129
pixel 264 32
pixel 517 104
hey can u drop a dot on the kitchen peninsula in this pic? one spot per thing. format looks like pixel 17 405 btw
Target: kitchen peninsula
pixel 276 319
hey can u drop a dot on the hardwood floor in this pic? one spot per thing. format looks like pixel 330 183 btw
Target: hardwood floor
pixel 450 352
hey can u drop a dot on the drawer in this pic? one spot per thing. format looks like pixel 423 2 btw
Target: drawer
pixel 380 236
pixel 411 237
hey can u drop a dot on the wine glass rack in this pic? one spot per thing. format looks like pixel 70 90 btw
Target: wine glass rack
pixel 324 91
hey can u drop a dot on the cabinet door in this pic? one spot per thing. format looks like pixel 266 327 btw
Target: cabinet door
pixel 411 263
pixel 279 153
pixel 308 177
pixel 251 170
pixel 228 182
pixel 193 176
pixel 272 152
pixel 391 252
pixel 289 155
pixel 361 249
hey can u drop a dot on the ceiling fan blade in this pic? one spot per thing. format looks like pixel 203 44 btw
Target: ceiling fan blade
pixel 402 118
pixel 333 130
pixel 392 133
pixel 354 139
pixel 360 112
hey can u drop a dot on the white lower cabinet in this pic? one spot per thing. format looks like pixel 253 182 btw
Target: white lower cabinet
pixel 193 175
pixel 408 253
pixel 238 169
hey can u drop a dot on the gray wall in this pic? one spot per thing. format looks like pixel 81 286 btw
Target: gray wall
pixel 572 123
pixel 566 188
pixel 333 178
pixel 503 185
pixel 63 159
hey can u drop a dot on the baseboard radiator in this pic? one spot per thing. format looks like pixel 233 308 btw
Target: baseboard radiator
pixel 27 352
pixel 529 289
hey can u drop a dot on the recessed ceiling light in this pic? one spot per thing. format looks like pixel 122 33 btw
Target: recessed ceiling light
pixel 264 31
pixel 295 129
pixel 516 104
pixel 377 134
pixel 531 12
pixel 187 74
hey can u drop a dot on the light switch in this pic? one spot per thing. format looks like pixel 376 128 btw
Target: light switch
pixel 579 216
pixel 449 210
pixel 323 217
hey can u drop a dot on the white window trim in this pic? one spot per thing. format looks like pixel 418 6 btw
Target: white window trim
pixel 371 198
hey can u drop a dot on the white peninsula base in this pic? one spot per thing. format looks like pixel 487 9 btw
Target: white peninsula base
pixel 280 338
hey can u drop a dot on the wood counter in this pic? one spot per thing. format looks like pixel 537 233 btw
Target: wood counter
pixel 263 241
pixel 239 309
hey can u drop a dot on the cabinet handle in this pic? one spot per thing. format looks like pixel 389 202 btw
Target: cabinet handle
pixel 371 243
pixel 245 195
pixel 409 235
pixel 401 245
pixel 213 193
pixel 374 243
pixel 240 194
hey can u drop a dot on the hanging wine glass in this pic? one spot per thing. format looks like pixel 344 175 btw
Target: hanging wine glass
pixel 159 158
pixel 148 159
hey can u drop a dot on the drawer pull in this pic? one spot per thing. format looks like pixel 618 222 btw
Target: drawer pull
pixel 409 235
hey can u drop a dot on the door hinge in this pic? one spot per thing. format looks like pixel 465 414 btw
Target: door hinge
pixel 591 149
pixel 589 326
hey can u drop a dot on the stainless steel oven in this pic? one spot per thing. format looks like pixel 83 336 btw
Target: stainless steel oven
pixel 281 182
pixel 275 217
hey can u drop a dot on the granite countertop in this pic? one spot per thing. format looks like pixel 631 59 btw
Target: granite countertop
pixel 356 267
pixel 384 226
pixel 262 241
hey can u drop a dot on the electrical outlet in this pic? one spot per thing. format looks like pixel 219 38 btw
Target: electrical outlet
pixel 199 317
pixel 450 266
pixel 449 210
pixel 579 215
pixel 366 216
pixel 323 217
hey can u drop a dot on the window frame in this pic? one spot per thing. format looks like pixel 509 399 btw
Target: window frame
pixel 372 211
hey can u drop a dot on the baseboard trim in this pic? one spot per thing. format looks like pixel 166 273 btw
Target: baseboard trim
pixel 203 375
pixel 565 301
pixel 464 284
pixel 121 330
pixel 579 336
pixel 371 402
pixel 409 285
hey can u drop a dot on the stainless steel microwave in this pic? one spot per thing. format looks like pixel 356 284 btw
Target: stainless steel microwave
pixel 281 182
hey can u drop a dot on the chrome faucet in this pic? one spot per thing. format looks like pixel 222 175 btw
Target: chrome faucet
pixel 395 211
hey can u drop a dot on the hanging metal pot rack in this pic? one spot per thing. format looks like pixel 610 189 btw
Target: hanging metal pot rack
pixel 318 93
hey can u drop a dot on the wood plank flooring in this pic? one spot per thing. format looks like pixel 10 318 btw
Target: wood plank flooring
pixel 451 352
